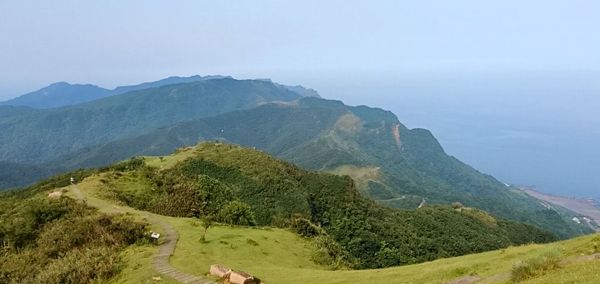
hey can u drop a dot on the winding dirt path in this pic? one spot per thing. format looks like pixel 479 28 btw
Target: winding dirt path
pixel 160 261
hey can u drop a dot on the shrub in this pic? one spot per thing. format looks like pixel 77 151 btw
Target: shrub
pixel 237 213
pixel 212 194
pixel 305 228
pixel 329 253
pixel 536 266
pixel 457 205
pixel 596 245
pixel 132 164
pixel 85 266
pixel 62 241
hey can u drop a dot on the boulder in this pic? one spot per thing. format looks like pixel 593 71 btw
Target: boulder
pixel 55 194
pixel 220 271
pixel 240 277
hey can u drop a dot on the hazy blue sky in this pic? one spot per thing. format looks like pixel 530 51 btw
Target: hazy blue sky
pixel 510 87
pixel 118 42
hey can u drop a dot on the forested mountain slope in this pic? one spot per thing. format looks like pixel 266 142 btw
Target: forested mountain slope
pixel 59 94
pixel 395 165
pixel 42 135
pixel 390 163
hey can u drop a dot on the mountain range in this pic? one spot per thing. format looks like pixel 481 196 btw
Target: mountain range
pixel 64 94
pixel 390 163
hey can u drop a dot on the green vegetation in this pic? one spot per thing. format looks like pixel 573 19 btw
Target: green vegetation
pixel 308 248
pixel 397 166
pixel 239 186
pixel 358 141
pixel 68 129
pixel 582 273
pixel 539 265
pixel 59 94
pixel 283 257
pixel 61 241
pixel 269 253
pixel 137 267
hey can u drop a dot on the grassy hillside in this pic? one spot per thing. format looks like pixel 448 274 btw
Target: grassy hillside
pixel 290 254
pixel 237 185
pixel 405 166
pixel 280 257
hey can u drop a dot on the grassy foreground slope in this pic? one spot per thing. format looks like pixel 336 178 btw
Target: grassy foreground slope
pixel 489 267
pixel 262 250
pixel 280 256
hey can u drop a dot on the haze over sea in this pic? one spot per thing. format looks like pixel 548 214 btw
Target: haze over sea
pixel 510 87
pixel 524 128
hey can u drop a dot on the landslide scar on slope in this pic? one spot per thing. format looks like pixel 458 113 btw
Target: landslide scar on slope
pixel 360 175
pixel 349 123
pixel 396 134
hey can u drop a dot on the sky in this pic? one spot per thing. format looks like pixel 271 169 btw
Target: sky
pixel 510 87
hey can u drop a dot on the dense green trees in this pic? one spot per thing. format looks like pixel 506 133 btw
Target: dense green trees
pixel 237 213
pixel 40 136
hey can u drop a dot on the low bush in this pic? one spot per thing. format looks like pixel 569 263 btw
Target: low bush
pixel 62 241
pixel 596 245
pixel 252 242
pixel 536 266
pixel 329 253
pixel 305 228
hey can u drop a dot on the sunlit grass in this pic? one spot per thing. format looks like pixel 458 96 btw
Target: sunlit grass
pixel 280 256
pixel 583 272
pixel 166 162
pixel 138 267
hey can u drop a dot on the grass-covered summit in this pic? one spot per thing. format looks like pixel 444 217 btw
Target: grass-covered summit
pixel 236 185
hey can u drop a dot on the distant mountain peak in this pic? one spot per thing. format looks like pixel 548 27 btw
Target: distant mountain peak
pixel 59 84
pixel 60 94
pixel 63 93
pixel 298 89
